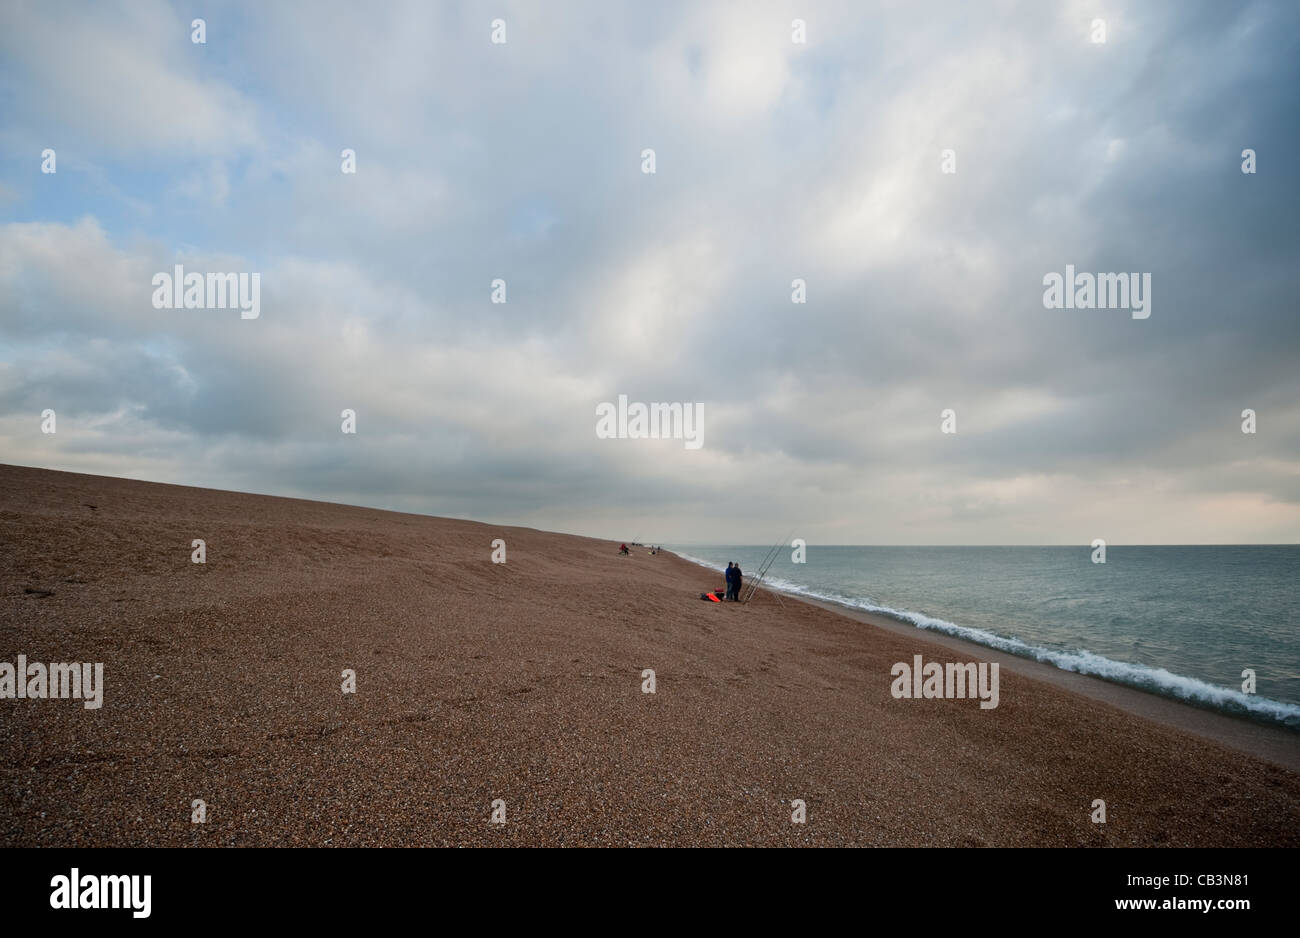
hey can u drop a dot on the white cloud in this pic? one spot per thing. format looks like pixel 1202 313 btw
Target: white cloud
pixel 126 77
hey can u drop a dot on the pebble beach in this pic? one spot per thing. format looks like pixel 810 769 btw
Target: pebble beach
pixel 519 689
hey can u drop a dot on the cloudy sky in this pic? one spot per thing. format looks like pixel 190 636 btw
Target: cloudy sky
pixel 774 160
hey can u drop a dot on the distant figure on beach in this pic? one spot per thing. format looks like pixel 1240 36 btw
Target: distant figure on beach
pixel 622 549
pixel 735 580
pixel 731 580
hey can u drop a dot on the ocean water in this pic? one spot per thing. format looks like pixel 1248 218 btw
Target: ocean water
pixel 1183 622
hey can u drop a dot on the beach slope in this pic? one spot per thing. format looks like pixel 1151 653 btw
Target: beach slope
pixel 522 684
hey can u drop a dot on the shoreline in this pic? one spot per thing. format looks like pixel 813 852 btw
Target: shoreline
pixel 1271 743
pixel 1255 737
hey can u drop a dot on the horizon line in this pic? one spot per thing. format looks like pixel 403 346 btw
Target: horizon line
pixel 655 541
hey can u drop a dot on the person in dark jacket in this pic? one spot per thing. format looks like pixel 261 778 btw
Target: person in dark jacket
pixel 735 582
pixel 731 579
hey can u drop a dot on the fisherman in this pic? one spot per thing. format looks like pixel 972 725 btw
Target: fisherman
pixel 735 581
pixel 731 580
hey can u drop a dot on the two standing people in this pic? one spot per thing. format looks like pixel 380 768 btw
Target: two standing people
pixel 733 581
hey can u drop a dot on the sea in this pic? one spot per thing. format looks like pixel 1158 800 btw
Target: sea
pixel 1183 622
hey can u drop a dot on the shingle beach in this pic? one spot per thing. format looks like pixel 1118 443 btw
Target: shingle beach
pixel 522 682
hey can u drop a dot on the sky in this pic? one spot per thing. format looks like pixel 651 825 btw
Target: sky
pixel 828 161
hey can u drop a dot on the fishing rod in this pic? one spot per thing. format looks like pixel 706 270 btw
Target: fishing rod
pixel 768 560
pixel 761 567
